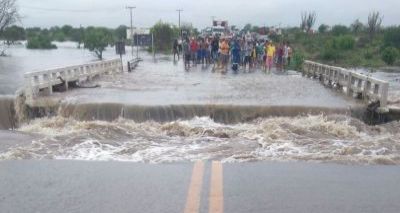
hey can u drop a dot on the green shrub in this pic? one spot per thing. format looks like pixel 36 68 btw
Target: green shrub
pixel 363 41
pixel 59 36
pixel 330 53
pixel 340 30
pixel 40 41
pixel 323 28
pixel 389 55
pixel 164 35
pixel 297 61
pixel 368 54
pixel 346 42
pixel 392 37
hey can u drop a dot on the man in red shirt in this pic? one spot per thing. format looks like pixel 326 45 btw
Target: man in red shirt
pixel 194 46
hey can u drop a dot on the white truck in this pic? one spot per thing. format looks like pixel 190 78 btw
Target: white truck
pixel 220 28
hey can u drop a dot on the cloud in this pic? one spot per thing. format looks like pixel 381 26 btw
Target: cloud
pixel 112 13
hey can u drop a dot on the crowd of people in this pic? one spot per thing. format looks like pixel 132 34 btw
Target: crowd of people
pixel 241 52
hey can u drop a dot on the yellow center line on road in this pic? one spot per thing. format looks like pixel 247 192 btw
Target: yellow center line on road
pixel 216 198
pixel 196 182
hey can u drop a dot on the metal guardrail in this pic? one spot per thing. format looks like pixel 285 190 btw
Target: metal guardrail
pixel 132 64
pixel 46 79
pixel 370 89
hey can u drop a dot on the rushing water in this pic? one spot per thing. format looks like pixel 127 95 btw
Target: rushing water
pixel 160 113
pixel 335 138
pixel 391 76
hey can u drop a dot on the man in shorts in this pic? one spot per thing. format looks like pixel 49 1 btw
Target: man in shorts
pixel 194 46
pixel 176 48
pixel 224 50
pixel 248 48
pixel 260 53
pixel 270 55
pixel 186 53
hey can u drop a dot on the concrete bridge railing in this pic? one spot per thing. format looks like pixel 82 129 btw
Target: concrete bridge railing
pixel 370 89
pixel 35 82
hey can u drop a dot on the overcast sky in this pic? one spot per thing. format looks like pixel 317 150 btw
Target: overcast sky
pixel 112 13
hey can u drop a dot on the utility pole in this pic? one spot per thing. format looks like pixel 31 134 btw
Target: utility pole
pixel 179 23
pixel 130 8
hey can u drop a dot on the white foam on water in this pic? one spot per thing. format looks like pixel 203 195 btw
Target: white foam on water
pixel 306 138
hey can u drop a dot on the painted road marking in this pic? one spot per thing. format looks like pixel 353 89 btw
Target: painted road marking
pixel 216 198
pixel 193 197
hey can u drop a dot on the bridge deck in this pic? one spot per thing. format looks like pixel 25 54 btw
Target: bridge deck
pixel 166 83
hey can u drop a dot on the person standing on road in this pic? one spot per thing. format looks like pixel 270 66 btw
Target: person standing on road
pixel 242 53
pixel 265 49
pixel 289 54
pixel 186 53
pixel 235 50
pixel 224 50
pixel 280 53
pixel 254 56
pixel 200 56
pixel 193 50
pixel 247 54
pixel 285 55
pixel 260 53
pixel 176 48
pixel 214 49
pixel 207 50
pixel 270 55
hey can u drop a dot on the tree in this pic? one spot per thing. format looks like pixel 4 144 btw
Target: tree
pixel 164 34
pixel 67 30
pixel 59 36
pixel 8 13
pixel 247 28
pixel 389 55
pixel 374 23
pixel 41 41
pixel 255 29
pixel 323 28
pixel 13 34
pixel 391 37
pixel 77 35
pixel 307 21
pixel 120 32
pixel 8 16
pixel 357 26
pixel 338 30
pixel 96 39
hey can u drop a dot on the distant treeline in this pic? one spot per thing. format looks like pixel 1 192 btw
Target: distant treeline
pixel 42 37
pixel 357 45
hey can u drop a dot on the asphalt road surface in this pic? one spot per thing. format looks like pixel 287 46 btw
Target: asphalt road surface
pixel 76 186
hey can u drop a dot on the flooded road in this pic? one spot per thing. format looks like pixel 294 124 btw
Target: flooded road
pixel 160 113
pixel 166 83
pixel 391 76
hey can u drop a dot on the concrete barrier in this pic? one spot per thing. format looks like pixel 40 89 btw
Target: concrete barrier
pixel 350 82
pixel 46 79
